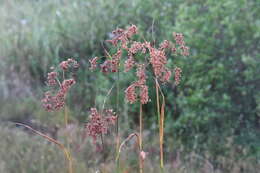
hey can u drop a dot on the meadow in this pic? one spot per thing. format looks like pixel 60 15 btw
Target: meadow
pixel 129 86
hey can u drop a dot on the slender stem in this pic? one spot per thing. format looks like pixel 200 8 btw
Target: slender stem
pixel 60 145
pixel 65 116
pixel 117 109
pixel 102 141
pixel 117 122
pixel 124 142
pixel 140 126
pixel 160 122
pixel 105 99
pixel 67 143
pixel 140 138
pixel 66 124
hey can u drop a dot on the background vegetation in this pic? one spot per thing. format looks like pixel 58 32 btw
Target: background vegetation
pixel 214 112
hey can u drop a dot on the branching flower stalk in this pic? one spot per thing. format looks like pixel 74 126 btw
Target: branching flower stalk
pixel 55 99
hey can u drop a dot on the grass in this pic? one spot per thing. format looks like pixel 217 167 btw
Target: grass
pixel 23 151
pixel 29 46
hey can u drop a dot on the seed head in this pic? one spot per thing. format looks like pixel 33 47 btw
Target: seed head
pixel 99 123
pixel 177 75
pixel 130 93
pixel 144 98
pixel 129 64
pixel 93 63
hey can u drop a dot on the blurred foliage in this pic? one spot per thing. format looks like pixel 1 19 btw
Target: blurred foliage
pixel 219 94
pixel 218 100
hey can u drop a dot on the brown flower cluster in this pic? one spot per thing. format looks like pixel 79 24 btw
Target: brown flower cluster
pixel 123 36
pixel 51 80
pixel 130 92
pixel 55 98
pixel 158 60
pixel 179 39
pixel 99 122
pixel 122 40
pixel 111 64
pixel 93 63
pixel 129 64
pixel 177 75
pixel 70 63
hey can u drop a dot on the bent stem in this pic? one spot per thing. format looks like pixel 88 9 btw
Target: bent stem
pixel 160 121
pixel 140 141
pixel 124 142
pixel 60 145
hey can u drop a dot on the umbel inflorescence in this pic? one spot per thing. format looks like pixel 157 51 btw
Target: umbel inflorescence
pixel 54 99
pixel 122 41
pixel 99 122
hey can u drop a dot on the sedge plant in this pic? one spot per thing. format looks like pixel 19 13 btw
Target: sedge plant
pixel 153 59
pixel 150 59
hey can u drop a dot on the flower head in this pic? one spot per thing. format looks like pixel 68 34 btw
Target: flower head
pixel 54 99
pixel 130 93
pixel 99 123
pixel 177 75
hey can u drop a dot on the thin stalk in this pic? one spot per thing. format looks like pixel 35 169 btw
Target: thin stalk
pixel 66 117
pixel 117 122
pixel 105 99
pixel 140 137
pixel 117 110
pixel 160 112
pixel 66 125
pixel 124 142
pixel 102 141
pixel 60 145
pixel 65 108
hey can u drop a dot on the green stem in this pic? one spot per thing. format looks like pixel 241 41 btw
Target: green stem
pixel 117 122
pixel 160 123
pixel 140 138
pixel 117 110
